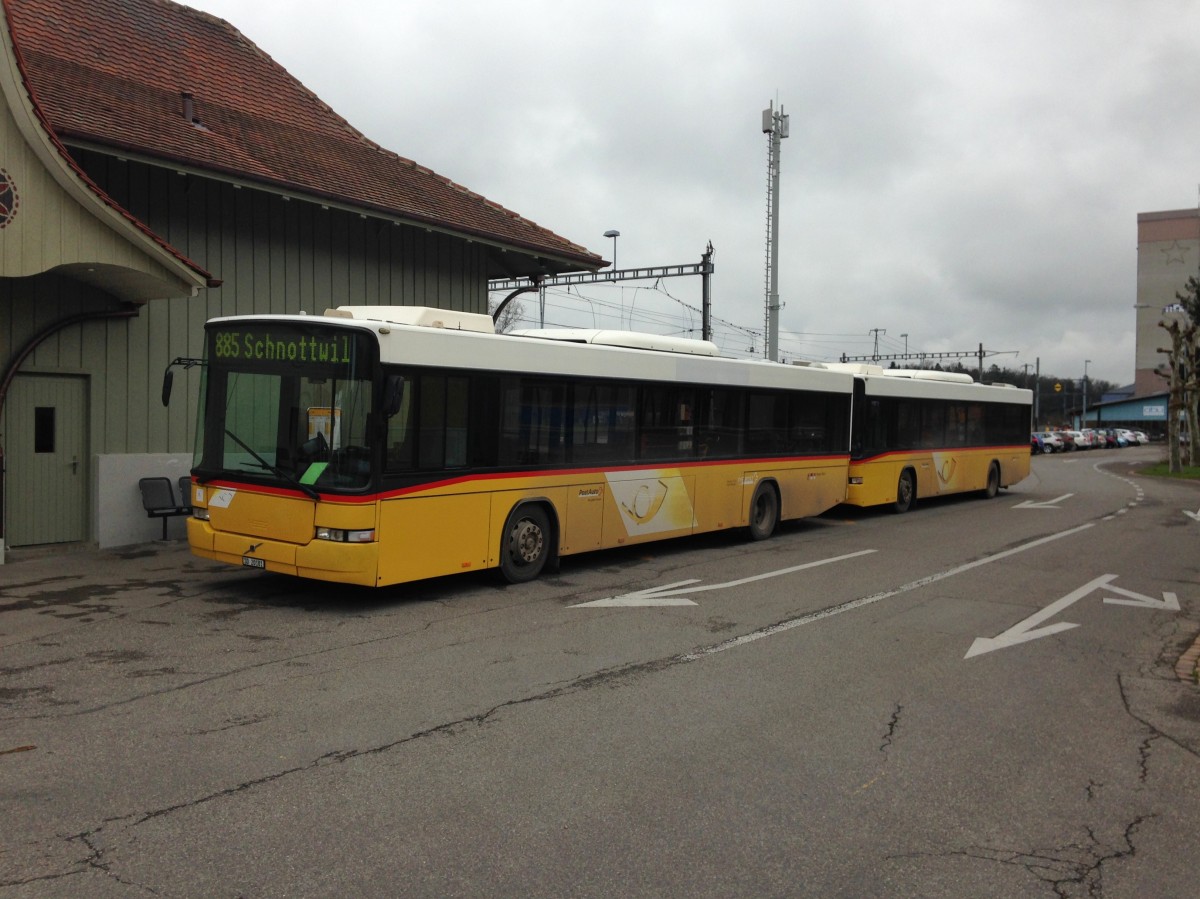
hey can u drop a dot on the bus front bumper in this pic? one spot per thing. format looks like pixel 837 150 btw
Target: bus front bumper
pixel 325 560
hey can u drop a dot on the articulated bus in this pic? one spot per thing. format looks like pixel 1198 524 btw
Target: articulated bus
pixel 378 445
pixel 922 433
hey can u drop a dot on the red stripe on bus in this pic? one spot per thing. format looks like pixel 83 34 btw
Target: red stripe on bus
pixel 360 499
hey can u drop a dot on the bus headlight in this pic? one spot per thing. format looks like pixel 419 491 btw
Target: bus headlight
pixel 856 482
pixel 202 514
pixel 338 535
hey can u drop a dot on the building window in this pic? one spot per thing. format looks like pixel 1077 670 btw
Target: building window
pixel 43 429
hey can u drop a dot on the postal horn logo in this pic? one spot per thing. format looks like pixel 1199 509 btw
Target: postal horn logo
pixel 8 199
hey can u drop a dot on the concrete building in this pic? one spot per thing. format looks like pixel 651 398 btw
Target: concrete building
pixel 158 169
pixel 1168 254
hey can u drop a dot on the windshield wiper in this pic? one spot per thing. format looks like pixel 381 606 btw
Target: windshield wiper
pixel 278 472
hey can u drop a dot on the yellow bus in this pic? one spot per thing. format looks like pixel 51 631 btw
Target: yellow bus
pixel 920 433
pixel 378 445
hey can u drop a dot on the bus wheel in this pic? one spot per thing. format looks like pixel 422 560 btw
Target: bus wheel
pixel 526 544
pixel 906 491
pixel 993 482
pixel 764 512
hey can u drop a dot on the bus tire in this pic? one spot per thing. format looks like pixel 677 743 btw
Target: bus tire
pixel 993 482
pixel 525 544
pixel 764 511
pixel 906 492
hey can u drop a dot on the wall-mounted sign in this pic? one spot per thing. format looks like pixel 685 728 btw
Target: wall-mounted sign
pixel 1154 412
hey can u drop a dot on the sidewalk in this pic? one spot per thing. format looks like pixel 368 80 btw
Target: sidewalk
pixel 82 560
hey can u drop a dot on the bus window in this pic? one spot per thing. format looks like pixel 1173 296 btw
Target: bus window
pixel 766 430
pixel 602 423
pixel 933 425
pixel 399 442
pixel 665 429
pixel 443 417
pixel 531 422
pixel 719 428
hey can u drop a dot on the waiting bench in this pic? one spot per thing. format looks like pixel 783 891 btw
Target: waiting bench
pixel 158 499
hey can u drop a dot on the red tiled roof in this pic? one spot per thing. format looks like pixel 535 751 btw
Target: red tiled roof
pixel 113 73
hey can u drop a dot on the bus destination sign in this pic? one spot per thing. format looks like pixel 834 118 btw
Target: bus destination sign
pixel 263 346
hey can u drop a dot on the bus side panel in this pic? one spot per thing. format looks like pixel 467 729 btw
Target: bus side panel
pixel 430 536
pixel 648 505
pixel 935 472
pixel 1014 466
pixel 809 491
pixel 582 527
pixel 938 473
pixel 719 501
pixel 879 478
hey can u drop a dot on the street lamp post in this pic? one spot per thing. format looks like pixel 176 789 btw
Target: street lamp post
pixel 614 234
pixel 1086 363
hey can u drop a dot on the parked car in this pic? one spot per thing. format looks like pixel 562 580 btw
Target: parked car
pixel 1051 442
pixel 1075 440
pixel 1137 438
pixel 1035 445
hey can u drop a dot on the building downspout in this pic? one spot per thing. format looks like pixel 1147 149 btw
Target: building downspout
pixel 24 353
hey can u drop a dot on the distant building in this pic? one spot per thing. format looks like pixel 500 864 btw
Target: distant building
pixel 1168 254
pixel 158 169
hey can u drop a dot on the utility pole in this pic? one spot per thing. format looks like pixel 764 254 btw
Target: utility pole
pixel 706 268
pixel 877 332
pixel 1037 394
pixel 1083 422
pixel 775 124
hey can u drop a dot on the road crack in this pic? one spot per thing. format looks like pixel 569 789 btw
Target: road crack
pixel 1072 870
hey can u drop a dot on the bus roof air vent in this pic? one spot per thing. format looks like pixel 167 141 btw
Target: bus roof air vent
pixel 418 316
pixel 634 340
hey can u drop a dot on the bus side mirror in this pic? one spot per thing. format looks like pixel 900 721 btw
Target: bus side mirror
pixel 393 395
pixel 168 380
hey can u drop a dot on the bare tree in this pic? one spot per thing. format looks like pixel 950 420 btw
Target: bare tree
pixel 509 317
pixel 1176 402
pixel 1189 363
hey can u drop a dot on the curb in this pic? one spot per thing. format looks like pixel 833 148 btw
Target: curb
pixel 1188 666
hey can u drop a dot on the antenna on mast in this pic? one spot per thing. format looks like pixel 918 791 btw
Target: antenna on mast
pixel 776 125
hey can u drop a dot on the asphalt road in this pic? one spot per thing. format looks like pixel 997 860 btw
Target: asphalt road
pixel 944 703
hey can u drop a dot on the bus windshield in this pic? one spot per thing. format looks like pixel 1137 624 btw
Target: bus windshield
pixel 286 402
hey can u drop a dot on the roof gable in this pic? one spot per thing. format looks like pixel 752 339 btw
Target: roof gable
pixel 115 73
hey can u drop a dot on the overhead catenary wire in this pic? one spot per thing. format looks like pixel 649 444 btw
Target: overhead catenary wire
pixel 640 307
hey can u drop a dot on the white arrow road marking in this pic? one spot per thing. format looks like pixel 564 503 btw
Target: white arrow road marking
pixel 1046 504
pixel 670 594
pixel 651 596
pixel 1194 516
pixel 1169 602
pixel 849 605
pixel 1028 629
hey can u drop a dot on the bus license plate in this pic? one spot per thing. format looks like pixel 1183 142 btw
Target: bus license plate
pixel 249 562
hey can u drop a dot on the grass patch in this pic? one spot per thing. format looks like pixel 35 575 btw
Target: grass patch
pixel 1161 470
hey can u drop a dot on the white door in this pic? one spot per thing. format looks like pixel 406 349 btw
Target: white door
pixel 45 445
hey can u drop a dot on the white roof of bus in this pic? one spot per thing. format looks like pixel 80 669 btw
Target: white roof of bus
pixel 458 345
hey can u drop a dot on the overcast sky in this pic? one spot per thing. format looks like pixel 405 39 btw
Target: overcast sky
pixel 962 173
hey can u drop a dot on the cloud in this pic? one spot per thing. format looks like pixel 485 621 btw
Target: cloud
pixel 961 173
